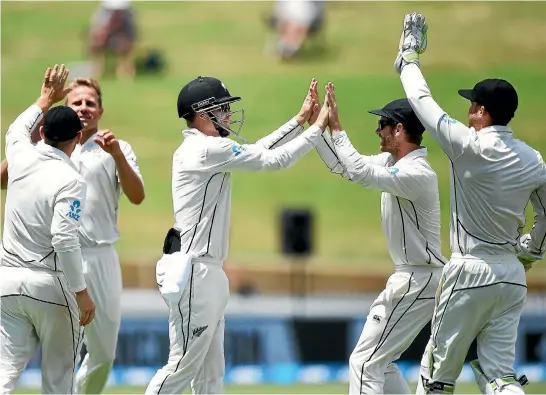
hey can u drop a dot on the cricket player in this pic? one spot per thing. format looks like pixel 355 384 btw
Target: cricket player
pixel 410 213
pixel 44 298
pixel 109 167
pixel 190 274
pixel 493 177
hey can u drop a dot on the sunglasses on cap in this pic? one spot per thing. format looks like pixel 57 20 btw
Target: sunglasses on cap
pixel 382 123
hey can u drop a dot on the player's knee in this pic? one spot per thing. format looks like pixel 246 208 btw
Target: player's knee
pixel 367 370
pixel 102 360
pixel 355 362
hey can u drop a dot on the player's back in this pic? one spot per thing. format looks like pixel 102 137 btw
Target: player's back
pixel 35 182
pixel 492 183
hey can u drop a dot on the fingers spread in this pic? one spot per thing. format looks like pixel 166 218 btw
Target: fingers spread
pixel 53 75
pixel 61 72
pixel 47 74
pixel 64 76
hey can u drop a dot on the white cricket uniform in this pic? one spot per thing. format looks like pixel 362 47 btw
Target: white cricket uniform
pixel 410 215
pixel 201 188
pixel 98 233
pixel 41 265
pixel 483 288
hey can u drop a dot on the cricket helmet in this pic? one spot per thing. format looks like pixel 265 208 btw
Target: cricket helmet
pixel 210 95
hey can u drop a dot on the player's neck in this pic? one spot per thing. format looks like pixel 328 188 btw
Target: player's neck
pixel 405 150
pixel 86 134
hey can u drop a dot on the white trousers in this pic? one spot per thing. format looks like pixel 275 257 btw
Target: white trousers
pixel 395 319
pixel 38 310
pixel 478 298
pixel 196 333
pixel 103 277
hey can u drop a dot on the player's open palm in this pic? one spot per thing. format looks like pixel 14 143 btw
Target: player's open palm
pixel 108 142
pixel 322 119
pixel 316 106
pixel 333 117
pixel 53 89
pixel 308 104
pixel 86 307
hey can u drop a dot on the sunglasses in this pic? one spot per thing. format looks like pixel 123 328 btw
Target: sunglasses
pixel 382 123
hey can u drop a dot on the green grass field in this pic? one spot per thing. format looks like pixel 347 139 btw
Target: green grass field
pixel 464 388
pixel 226 39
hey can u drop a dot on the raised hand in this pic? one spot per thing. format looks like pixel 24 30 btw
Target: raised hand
pixel 308 104
pixel 108 142
pixel 333 117
pixel 413 41
pixel 53 89
pixel 316 107
pixel 322 119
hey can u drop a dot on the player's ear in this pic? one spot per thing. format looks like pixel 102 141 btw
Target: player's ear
pixel 42 136
pixel 398 129
pixel 78 137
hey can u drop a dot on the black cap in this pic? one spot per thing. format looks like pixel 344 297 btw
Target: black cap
pixel 498 97
pixel 61 123
pixel 201 94
pixel 400 111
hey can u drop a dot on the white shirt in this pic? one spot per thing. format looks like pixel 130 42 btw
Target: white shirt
pixel 493 177
pixel 201 180
pixel 44 204
pixel 98 169
pixel 410 203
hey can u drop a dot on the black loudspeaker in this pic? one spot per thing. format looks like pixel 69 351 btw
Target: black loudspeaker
pixel 297 232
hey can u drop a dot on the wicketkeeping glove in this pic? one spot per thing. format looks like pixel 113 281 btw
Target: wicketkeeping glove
pixel 526 257
pixel 413 41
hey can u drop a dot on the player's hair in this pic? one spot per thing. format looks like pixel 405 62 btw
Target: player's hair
pixel 88 82
pixel 190 119
pixel 501 121
pixel 414 138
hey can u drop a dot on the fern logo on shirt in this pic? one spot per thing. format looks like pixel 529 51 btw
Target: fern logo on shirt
pixel 237 149
pixel 393 170
pixel 75 210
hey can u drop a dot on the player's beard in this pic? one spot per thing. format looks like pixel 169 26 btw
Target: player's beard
pixel 387 144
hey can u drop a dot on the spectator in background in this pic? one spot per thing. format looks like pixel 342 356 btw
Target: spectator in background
pixel 294 21
pixel 113 29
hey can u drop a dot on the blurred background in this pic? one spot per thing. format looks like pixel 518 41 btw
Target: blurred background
pixel 307 253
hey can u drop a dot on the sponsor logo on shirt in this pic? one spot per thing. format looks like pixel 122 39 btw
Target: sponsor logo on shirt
pixel 75 210
pixel 393 170
pixel 445 118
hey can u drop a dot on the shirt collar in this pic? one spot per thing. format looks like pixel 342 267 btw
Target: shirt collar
pixel 495 129
pixel 89 142
pixel 192 132
pixel 418 153
pixel 55 153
